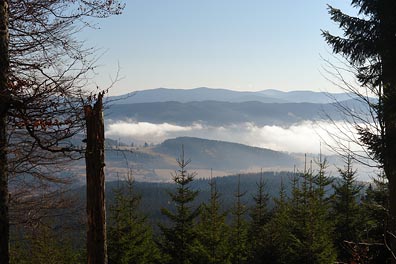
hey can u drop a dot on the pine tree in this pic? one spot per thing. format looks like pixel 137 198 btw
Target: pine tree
pixel 179 243
pixel 213 231
pixel 258 233
pixel 239 228
pixel 130 238
pixel 347 212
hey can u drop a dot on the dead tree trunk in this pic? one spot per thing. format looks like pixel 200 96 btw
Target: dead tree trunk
pixel 4 96
pixel 94 159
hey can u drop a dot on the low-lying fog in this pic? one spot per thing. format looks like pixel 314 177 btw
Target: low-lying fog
pixel 304 137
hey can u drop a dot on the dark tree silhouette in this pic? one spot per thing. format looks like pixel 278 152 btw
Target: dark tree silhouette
pixel 180 239
pixel 43 69
pixel 369 46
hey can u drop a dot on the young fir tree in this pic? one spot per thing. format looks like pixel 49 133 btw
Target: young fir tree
pixel 312 226
pixel 281 240
pixel 375 208
pixel 213 231
pixel 346 211
pixel 179 243
pixel 130 238
pixel 239 228
pixel 258 233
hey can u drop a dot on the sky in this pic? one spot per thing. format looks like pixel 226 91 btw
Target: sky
pixel 248 45
pixel 240 45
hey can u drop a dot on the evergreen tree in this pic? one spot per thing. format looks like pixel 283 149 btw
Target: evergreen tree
pixel 179 243
pixel 258 233
pixel 375 207
pixel 312 227
pixel 130 238
pixel 282 242
pixel 239 228
pixel 213 231
pixel 347 212
pixel 44 244
pixel 369 46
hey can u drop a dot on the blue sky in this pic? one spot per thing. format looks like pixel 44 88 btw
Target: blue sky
pixel 234 44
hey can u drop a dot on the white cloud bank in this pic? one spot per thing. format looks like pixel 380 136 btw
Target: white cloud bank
pixel 304 137
pixel 144 131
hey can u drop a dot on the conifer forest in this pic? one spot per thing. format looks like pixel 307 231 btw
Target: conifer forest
pixel 70 192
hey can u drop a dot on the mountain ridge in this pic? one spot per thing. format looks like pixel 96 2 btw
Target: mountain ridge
pixel 221 113
pixel 226 95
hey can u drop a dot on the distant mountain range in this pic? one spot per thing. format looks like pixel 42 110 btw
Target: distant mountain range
pixel 222 113
pixel 224 95
pixel 223 107
pixel 222 110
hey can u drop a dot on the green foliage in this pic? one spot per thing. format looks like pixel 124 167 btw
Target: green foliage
pixel 239 229
pixel 258 232
pixel 42 244
pixel 179 242
pixel 347 212
pixel 375 205
pixel 375 210
pixel 213 231
pixel 304 226
pixel 282 243
pixel 312 228
pixel 369 46
pixel 130 238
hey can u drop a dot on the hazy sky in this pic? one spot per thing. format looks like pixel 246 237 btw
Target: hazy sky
pixel 234 44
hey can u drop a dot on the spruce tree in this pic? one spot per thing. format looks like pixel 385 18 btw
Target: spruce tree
pixel 130 238
pixel 369 45
pixel 312 227
pixel 179 243
pixel 347 212
pixel 375 208
pixel 282 242
pixel 239 228
pixel 258 232
pixel 213 231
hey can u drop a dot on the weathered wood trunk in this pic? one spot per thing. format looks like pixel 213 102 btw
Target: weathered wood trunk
pixel 4 96
pixel 94 158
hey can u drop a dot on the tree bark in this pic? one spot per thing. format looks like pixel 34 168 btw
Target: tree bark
pixel 390 163
pixel 388 57
pixel 4 96
pixel 94 158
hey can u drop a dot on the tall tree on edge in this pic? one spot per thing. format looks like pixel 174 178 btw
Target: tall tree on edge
pixel 369 46
pixel 4 94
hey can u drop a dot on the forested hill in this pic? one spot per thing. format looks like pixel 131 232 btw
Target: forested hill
pixel 155 196
pixel 155 163
pixel 224 155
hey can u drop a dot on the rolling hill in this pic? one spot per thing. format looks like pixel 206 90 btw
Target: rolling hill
pixel 156 163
